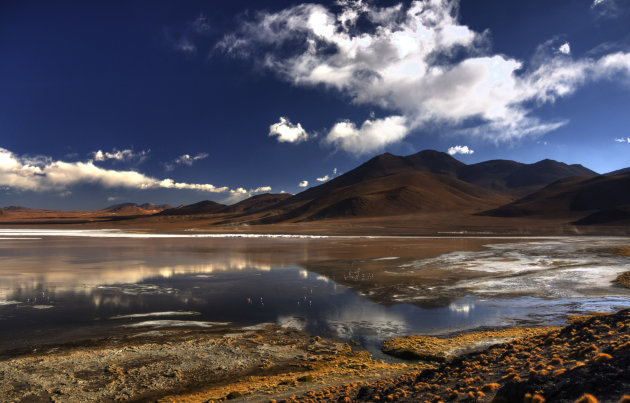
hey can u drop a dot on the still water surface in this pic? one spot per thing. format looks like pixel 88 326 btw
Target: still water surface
pixel 60 286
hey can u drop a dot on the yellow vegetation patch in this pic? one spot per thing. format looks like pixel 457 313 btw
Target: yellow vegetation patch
pixel 587 398
pixel 624 279
pixel 430 348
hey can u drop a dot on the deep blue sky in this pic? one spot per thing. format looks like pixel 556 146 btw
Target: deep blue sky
pixel 148 76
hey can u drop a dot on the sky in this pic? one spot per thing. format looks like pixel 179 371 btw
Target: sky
pixel 106 102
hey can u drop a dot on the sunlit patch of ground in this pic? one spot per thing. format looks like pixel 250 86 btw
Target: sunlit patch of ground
pixel 591 356
pixel 430 348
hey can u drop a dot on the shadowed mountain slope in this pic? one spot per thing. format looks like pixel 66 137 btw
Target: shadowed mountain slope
pixel 519 179
pixel 136 209
pixel 202 207
pixel 511 177
pixel 600 199
pixel 395 194
pixel 257 203
pixel 619 171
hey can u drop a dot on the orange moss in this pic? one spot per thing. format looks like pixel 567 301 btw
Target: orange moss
pixel 602 357
pixel 559 372
pixel 490 386
pixel 587 398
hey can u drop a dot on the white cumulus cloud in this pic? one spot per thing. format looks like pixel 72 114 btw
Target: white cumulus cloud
pixel 323 178
pixel 622 140
pixel 303 184
pixel 460 150
pixel 417 61
pixel 373 135
pixel 565 48
pixel 287 132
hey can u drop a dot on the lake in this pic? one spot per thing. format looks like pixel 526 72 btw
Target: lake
pixel 67 285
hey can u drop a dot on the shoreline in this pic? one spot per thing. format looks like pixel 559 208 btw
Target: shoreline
pixel 267 363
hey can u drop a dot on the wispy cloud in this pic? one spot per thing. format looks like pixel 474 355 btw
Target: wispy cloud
pixel 610 8
pixel 185 159
pixel 460 150
pixel 287 132
pixel 420 63
pixel 120 155
pixel 46 174
pixel 323 178
pixel 184 40
pixel 622 140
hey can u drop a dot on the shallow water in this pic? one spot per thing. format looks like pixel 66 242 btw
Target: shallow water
pixel 62 286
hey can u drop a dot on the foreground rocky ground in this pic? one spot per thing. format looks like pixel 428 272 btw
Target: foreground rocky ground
pixel 192 365
pixel 591 356
pixel 269 363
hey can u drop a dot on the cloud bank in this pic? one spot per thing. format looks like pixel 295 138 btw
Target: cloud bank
pixel 45 174
pixel 418 62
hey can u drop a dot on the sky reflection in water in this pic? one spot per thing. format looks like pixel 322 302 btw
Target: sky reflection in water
pixel 57 289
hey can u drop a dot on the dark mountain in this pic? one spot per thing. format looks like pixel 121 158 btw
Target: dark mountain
pixel 399 193
pixel 202 207
pixel 510 177
pixel 257 203
pixel 599 199
pixel 436 162
pixel 619 172
pixel 517 178
pixel 380 166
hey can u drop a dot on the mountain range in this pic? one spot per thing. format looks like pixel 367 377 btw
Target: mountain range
pixel 423 184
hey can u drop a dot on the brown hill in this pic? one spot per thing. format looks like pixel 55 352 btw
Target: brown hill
pixel 519 179
pixel 619 171
pixel 595 200
pixel 202 207
pixel 396 194
pixel 257 203
pixel 511 177
pixel 17 214
pixel 130 209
